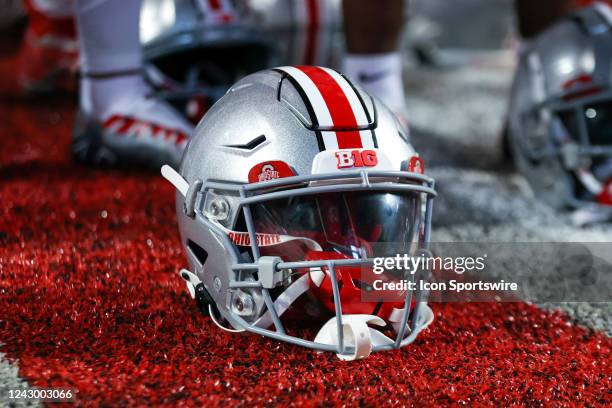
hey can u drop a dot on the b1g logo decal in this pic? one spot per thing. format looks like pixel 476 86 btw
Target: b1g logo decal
pixel 356 158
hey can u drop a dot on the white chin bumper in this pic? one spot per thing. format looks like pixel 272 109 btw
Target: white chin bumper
pixel 360 337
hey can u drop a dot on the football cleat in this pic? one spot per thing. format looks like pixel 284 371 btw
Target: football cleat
pixel 145 133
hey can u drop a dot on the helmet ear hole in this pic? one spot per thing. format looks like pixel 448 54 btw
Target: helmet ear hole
pixel 197 252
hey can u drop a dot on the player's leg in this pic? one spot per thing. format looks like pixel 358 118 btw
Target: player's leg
pixel 120 122
pixel 48 53
pixel 372 31
pixel 111 56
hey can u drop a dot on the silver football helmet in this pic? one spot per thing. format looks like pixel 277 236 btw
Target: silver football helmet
pixel 196 49
pixel 292 184
pixel 560 116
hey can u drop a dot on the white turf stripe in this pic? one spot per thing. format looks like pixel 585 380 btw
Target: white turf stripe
pixel 9 379
pixel 314 96
pixel 330 140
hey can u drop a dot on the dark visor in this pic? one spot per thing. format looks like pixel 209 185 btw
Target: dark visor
pixel 346 223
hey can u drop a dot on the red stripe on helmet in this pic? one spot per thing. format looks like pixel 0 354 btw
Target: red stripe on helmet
pixel 338 105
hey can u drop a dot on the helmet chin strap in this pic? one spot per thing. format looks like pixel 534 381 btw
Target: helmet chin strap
pixel 589 181
pixel 356 332
pixel 595 213
pixel 241 238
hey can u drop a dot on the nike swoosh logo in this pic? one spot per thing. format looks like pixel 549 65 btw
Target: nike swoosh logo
pixel 365 77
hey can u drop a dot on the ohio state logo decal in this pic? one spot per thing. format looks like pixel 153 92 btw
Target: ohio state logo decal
pixel 270 170
pixel 416 165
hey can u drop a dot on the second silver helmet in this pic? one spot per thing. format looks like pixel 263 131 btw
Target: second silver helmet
pixel 560 118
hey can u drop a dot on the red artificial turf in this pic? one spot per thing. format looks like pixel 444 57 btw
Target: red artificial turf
pixel 90 299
